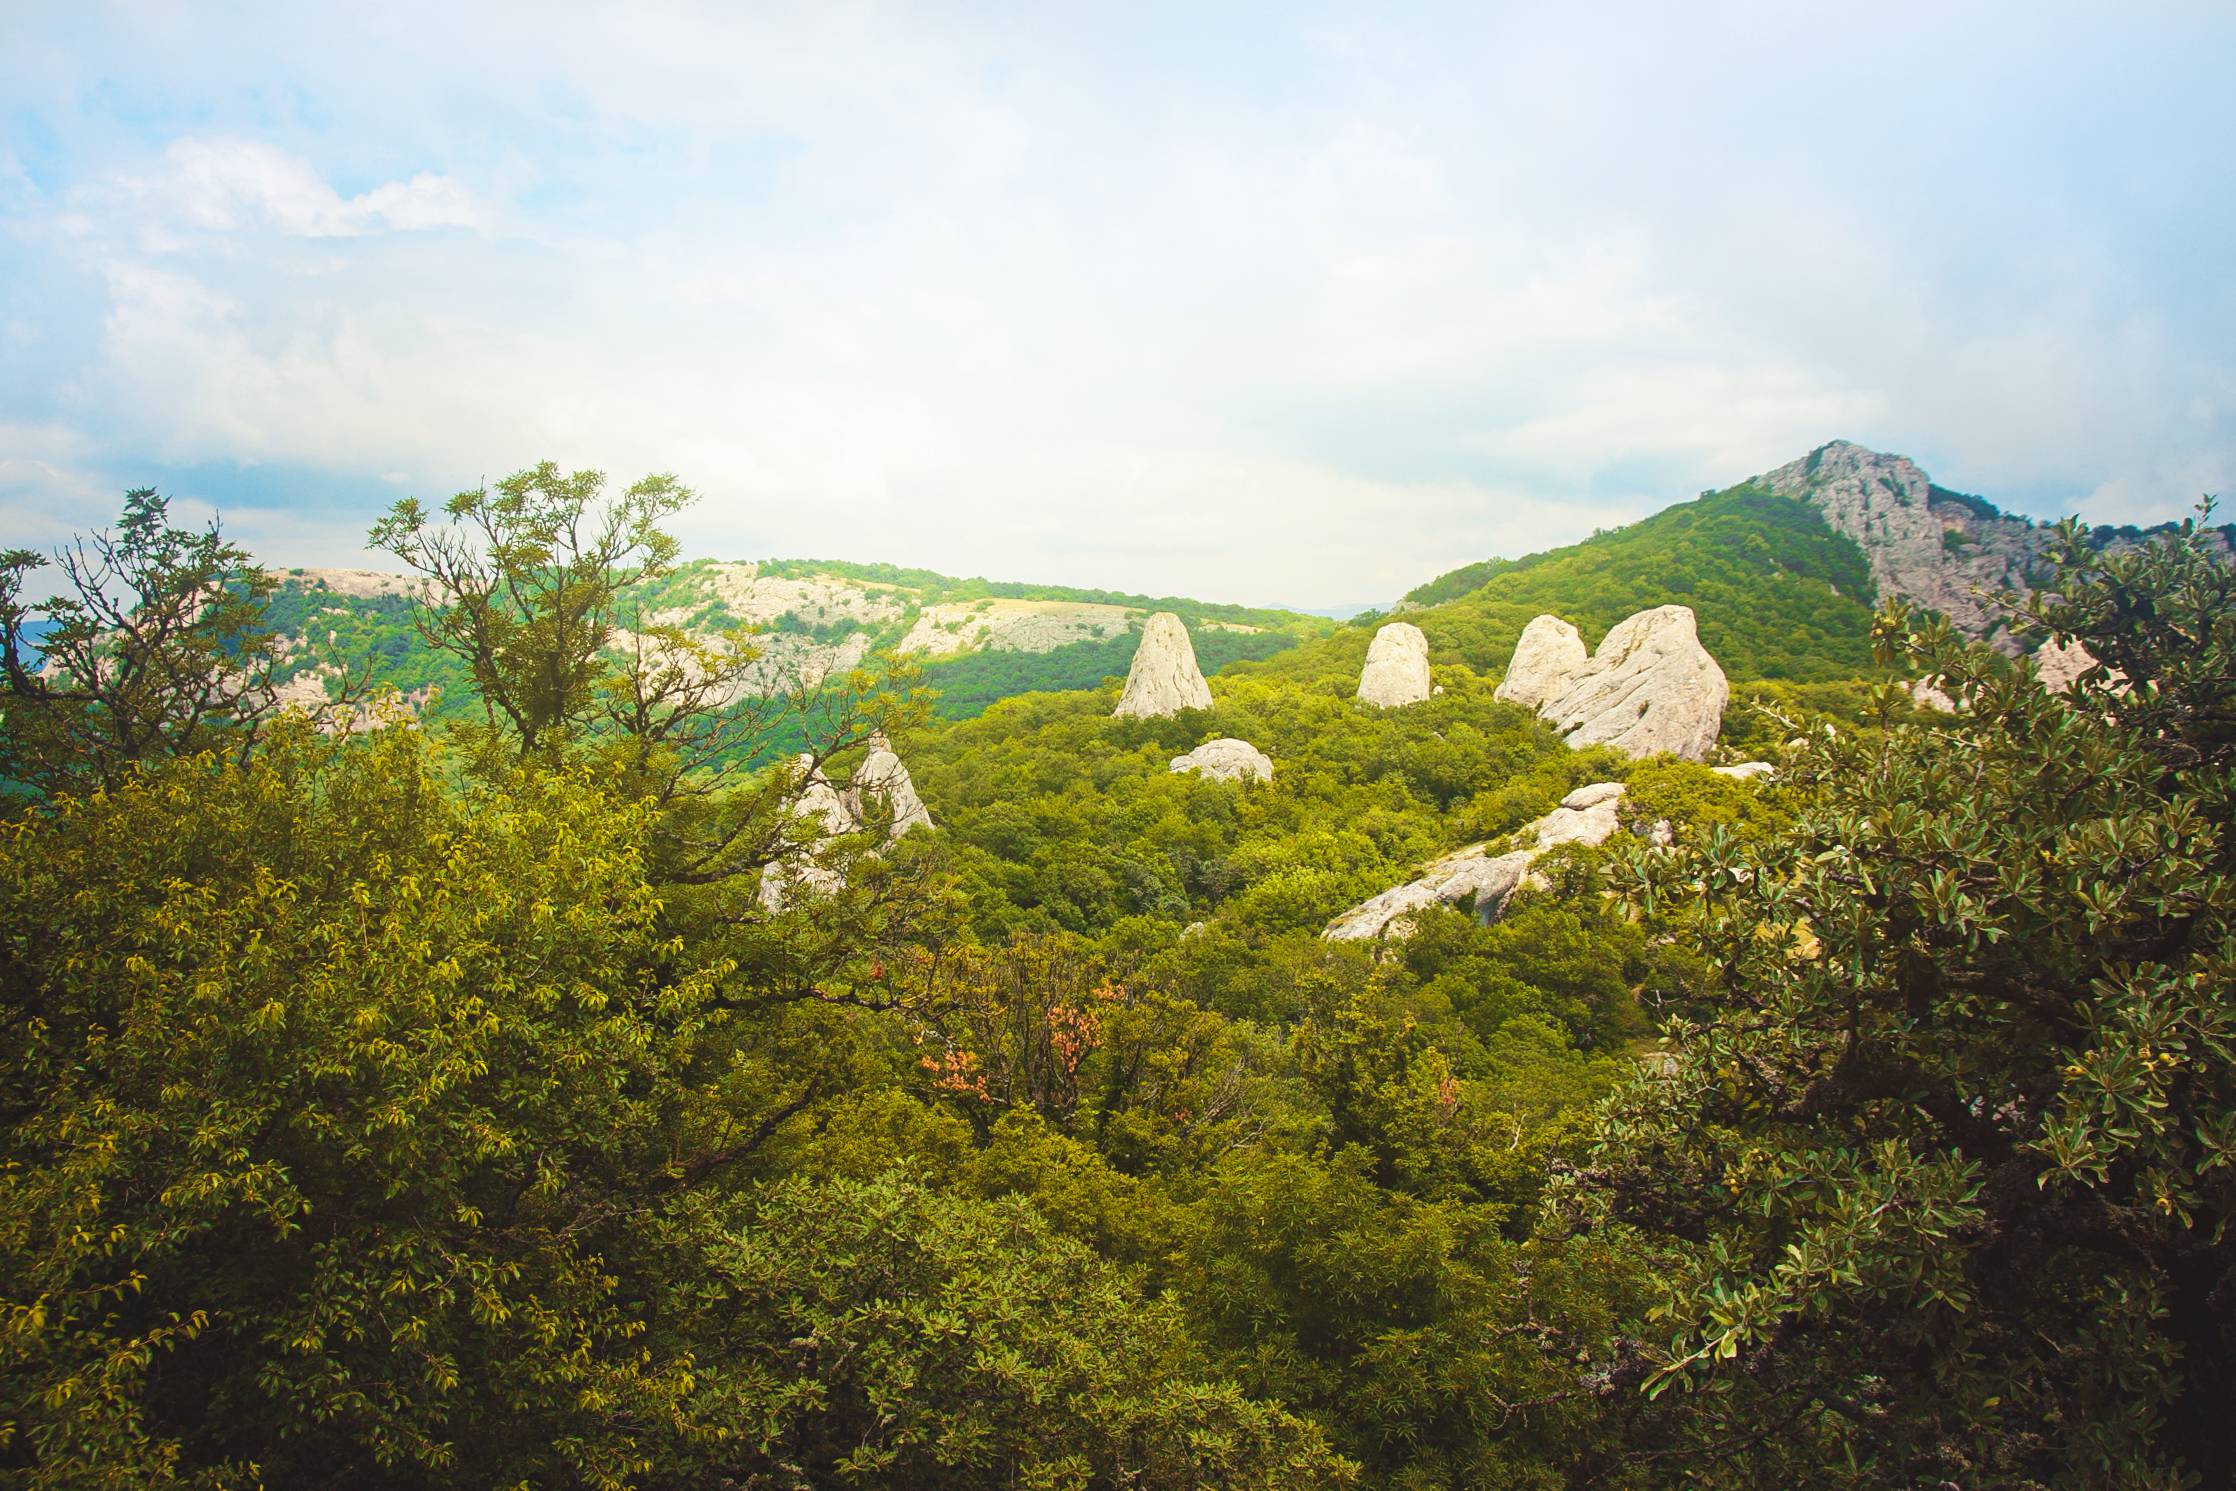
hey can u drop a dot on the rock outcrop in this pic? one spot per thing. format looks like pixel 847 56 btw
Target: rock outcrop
pixel 1227 760
pixel 1397 667
pixel 1925 543
pixel 879 792
pixel 882 782
pixel 1550 653
pixel 1586 816
pixel 1164 678
pixel 1651 687
pixel 2059 668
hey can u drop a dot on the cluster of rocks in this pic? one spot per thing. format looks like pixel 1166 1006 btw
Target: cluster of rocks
pixel 1650 688
pixel 879 792
pixel 1164 680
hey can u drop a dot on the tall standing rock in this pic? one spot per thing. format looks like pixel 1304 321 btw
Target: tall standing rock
pixel 1164 679
pixel 1550 654
pixel 1397 667
pixel 1651 687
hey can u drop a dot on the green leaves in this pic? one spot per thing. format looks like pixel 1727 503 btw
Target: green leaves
pixel 1947 1127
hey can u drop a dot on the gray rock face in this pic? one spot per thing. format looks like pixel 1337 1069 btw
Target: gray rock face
pixel 1397 667
pixel 1550 653
pixel 880 787
pixel 1227 760
pixel 882 779
pixel 1924 543
pixel 1164 678
pixel 1586 816
pixel 1651 687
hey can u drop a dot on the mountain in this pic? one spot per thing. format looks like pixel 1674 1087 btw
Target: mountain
pixel 1784 570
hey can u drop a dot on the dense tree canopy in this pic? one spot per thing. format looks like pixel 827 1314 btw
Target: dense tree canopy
pixel 430 1104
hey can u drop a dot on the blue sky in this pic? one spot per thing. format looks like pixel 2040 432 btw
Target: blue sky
pixel 1292 303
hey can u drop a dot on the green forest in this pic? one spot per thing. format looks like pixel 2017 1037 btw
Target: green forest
pixel 536 1094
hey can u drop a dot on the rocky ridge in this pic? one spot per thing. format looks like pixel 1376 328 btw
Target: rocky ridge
pixel 1926 544
pixel 1586 816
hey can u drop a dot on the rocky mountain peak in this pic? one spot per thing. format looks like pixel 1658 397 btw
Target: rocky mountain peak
pixel 1936 548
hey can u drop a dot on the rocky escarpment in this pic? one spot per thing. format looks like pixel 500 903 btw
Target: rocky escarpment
pixel 1925 544
pixel 1164 678
pixel 1397 667
pixel 1650 688
pixel 1227 760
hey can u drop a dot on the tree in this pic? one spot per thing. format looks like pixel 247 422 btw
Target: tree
pixel 527 585
pixel 883 1334
pixel 1939 1174
pixel 159 651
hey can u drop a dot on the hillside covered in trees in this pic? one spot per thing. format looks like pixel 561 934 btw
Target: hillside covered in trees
pixel 605 1083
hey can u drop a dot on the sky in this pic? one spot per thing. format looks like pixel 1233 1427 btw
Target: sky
pixel 1294 303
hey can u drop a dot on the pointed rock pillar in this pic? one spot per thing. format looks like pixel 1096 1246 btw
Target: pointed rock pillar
pixel 1164 679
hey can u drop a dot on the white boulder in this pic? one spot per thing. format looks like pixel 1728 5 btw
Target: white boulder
pixel 2058 667
pixel 1549 654
pixel 1227 760
pixel 1586 816
pixel 1650 688
pixel 1397 667
pixel 1745 771
pixel 1164 678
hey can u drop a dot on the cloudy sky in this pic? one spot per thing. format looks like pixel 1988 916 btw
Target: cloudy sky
pixel 1290 303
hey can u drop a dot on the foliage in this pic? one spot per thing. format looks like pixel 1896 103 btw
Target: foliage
pixel 1778 594
pixel 1936 1179
pixel 883 1333
pixel 525 585
pixel 1412 1329
pixel 330 1107
pixel 161 650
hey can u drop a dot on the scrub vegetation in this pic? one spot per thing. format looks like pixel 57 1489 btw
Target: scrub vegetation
pixel 396 1101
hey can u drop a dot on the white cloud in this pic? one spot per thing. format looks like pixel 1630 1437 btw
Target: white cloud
pixel 1265 305
pixel 228 184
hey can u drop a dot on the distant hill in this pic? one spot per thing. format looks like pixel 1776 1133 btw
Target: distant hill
pixel 1778 593
pixel 1783 571
pixel 977 640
